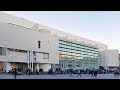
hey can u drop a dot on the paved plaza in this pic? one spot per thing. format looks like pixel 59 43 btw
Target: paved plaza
pixel 60 76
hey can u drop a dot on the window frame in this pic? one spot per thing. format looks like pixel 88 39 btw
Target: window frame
pixel 39 44
pixel 45 57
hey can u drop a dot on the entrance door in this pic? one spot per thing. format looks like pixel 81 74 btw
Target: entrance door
pixel 70 64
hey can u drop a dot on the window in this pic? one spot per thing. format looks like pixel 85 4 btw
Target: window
pixel 0 50
pixel 39 42
pixel 34 53
pixel 45 55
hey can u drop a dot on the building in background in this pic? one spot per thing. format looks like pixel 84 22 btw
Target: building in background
pixel 26 43
pixel 119 59
pixel 110 58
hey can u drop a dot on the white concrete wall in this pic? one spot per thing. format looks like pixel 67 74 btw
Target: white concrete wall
pixel 12 59
pixel 22 38
pixel 45 67
pixel 54 50
pixel 102 54
pixel 4 17
pixel 110 58
pixel 17 37
pixel 17 54
pixel 40 59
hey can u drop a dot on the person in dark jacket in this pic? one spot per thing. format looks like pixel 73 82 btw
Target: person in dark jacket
pixel 15 73
pixel 95 73
pixel 71 72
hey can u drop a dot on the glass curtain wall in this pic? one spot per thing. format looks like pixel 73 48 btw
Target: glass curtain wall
pixel 77 56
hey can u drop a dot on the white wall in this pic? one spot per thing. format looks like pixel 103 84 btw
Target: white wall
pixel 4 17
pixel 54 50
pixel 40 59
pixel 17 54
pixel 110 58
pixel 12 59
pixel 45 67
pixel 17 37
pixel 22 38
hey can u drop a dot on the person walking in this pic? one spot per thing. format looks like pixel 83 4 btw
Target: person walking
pixel 79 73
pixel 95 73
pixel 71 72
pixel 15 73
pixel 1 71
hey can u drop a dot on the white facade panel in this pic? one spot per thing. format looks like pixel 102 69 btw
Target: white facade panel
pixel 39 57
pixel 110 58
pixel 54 50
pixel 17 54
pixel 22 38
pixel 17 37
pixel 45 67
pixel 12 59
pixel 7 18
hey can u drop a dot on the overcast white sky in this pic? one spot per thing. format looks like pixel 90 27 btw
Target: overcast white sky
pixel 101 26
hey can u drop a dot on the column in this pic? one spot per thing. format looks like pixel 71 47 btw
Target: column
pixel 31 60
pixel 28 59
pixel 38 66
pixel 6 66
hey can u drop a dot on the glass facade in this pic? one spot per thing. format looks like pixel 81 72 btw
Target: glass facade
pixel 0 50
pixel 77 56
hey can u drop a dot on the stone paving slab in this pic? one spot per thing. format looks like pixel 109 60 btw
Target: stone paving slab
pixel 66 76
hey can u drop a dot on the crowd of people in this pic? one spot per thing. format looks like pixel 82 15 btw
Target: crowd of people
pixel 71 72
pixel 94 72
pixel 19 71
